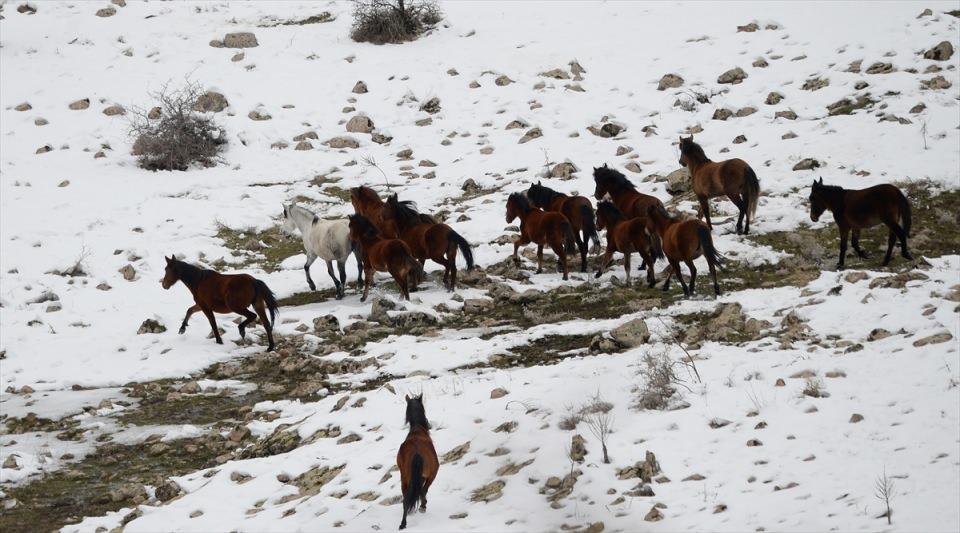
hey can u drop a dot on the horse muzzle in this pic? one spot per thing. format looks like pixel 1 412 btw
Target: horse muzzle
pixel 814 217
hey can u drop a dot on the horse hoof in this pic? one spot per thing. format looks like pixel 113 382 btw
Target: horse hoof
pixel 423 509
pixel 183 330
pixel 219 341
pixel 908 257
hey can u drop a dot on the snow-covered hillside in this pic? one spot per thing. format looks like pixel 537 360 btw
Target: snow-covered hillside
pixel 766 438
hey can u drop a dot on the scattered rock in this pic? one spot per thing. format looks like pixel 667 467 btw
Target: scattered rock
pixel 608 130
pixel 732 76
pixel 918 108
pixel 815 84
pixel 679 182
pixel 457 453
pixel 654 515
pixel 503 80
pixel 933 339
pixel 722 114
pixel 774 98
pixel 498 392
pixel 129 273
pixel 208 102
pixel 563 170
pixel 631 334
pixel 878 334
pixel 168 490
pixel 242 39
pixel 342 141
pixel 897 281
pixel 360 124
pixel 669 81
pixel 936 83
pixel 746 111
pixel 359 88
pixel 108 11
pixel 881 68
pixel 760 63
pixel 531 134
pixel 431 106
pixel 80 104
pixel 25 106
pixel 855 418
pixel 940 52
pixel 40 121
pixel 634 167
pixel 258 116
pixel 789 115
pixel 151 326
pixel 749 28
pixel 557 74
pixel 489 492
pixel 739 139
pixel 808 163
pixel 578 449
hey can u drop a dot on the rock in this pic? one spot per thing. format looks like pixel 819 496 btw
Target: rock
pixel 30 10
pixel 424 121
pixel 151 326
pixel 474 84
pixel 452 72
pixel 669 81
pixel 815 84
pixel 517 124
pixel 855 276
pixel 303 146
pixel 129 273
pixel 457 453
pixel 108 11
pixel 26 389
pixel 760 63
pixel 679 182
pixel 190 387
pixel 634 167
pixel 578 449
pixel 846 106
pixel 114 110
pixel 54 307
pixel 242 39
pixel 477 305
pixel 11 463
pixel 918 108
pixel 342 141
pixel 622 150
pixel 654 515
pixel 40 122
pixel 936 83
pixel 753 443
pixel 577 70
pixel 360 124
pixel 503 80
pixel 239 56
pixel 127 492
pixel 780 383
pixel 925 13
pixel 807 164
pixel 104 286
pixel 878 334
pixel 258 116
pixel 489 492
pixel 732 76
pixel 312 481
pixel 933 339
pixel 216 43
pixel 941 52
pixel 631 334
pixel 739 139
pixel 722 114
pixel 25 106
pixel 788 135
pixel 596 527
pixel 897 281
pixel 608 130
pixel 557 74
pixel 431 106
pixel 855 418
pixel 208 102
pixel 155 112
pixel 881 68
pixel 750 28
pixel 326 324
pixel 44 149
pixel 563 170
pixel 238 434
pixel 381 138
pixel 774 98
pixel 498 392
pixel 379 308
pixel 80 104
pixel 506 427
pixel 531 134
pixel 168 491
pixel 746 111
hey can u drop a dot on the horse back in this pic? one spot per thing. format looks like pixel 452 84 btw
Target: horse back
pixel 873 205
pixel 418 441
pixel 681 240
pixel 572 208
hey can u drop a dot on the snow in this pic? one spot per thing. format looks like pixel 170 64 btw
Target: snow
pixel 112 213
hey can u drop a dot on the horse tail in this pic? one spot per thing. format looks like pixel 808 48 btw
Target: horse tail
pixel 586 213
pixel 905 213
pixel 656 245
pixel 415 488
pixel 455 238
pixel 413 269
pixel 706 242
pixel 751 191
pixel 262 292
pixel 570 245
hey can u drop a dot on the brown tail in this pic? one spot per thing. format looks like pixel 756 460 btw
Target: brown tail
pixel 571 240
pixel 905 214
pixel 261 291
pixel 751 191
pixel 709 252
pixel 414 270
pixel 656 245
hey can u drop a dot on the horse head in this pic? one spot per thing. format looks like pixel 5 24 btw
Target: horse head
pixel 171 273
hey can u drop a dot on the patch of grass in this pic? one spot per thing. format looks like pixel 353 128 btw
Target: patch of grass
pixel 337 192
pixel 198 409
pixel 246 246
pixel 320 18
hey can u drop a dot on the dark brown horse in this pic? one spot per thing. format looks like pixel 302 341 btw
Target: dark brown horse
pixel 854 210
pixel 733 178
pixel 367 202
pixel 416 459
pixel 435 241
pixel 577 209
pixel 684 240
pixel 624 195
pixel 627 236
pixel 545 228
pixel 384 255
pixel 223 293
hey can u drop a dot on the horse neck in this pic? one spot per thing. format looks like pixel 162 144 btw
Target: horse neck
pixel 302 217
pixel 694 164
pixel 190 276
pixel 834 199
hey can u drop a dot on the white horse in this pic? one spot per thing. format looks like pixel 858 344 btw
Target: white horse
pixel 327 239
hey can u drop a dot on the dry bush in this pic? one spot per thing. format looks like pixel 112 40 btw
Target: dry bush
pixel 659 381
pixel 601 425
pixel 393 21
pixel 179 137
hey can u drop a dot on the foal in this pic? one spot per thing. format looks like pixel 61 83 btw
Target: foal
pixel 864 208
pixel 684 240
pixel 541 227
pixel 733 178
pixel 384 255
pixel 223 293
pixel 435 241
pixel 627 236
pixel 577 209
pixel 416 459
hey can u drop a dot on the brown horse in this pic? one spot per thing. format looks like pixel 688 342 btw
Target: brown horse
pixel 624 195
pixel 416 459
pixel 367 202
pixel 435 241
pixel 684 240
pixel 627 236
pixel 543 228
pixel 223 293
pixel 854 210
pixel 577 209
pixel 733 178
pixel 384 255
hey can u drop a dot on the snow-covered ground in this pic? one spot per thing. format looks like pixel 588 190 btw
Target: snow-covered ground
pixel 64 205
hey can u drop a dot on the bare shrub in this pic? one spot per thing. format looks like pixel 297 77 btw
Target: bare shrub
pixel 601 425
pixel 659 381
pixel 393 21
pixel 885 492
pixel 180 137
pixel 813 388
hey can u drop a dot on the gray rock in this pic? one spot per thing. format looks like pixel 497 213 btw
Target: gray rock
pixel 732 76
pixel 774 98
pixel 631 334
pixel 129 273
pixel 808 163
pixel 359 88
pixel 81 104
pixel 679 182
pixel 258 116
pixel 498 392
pixel 431 106
pixel 722 114
pixel 326 324
pixel 531 134
pixel 669 81
pixel 108 11
pixel 941 52
pixel 114 110
pixel 342 141
pixel 936 83
pixel 360 124
pixel 168 490
pixel 881 68
pixel 242 39
pixel 379 308
pixel 151 326
pixel 578 448
pixel 25 106
pixel 208 102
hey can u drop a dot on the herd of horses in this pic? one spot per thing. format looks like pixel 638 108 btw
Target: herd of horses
pixel 392 236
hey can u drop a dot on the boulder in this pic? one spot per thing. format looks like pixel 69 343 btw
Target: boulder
pixel 114 110
pixel 359 88
pixel 732 76
pixel 342 142
pixel 208 102
pixel 679 182
pixel 773 98
pixel 80 104
pixel 360 124
pixel 108 11
pixel 631 334
pixel 808 163
pixel 241 39
pixel 669 81
pixel 940 52
pixel 151 326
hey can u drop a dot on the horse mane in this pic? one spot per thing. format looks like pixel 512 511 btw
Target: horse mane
pixel 405 212
pixel 693 151
pixel 828 188
pixel 189 274
pixel 541 194
pixel 367 229
pixel 306 211
pixel 610 211
pixel 522 202
pixel 614 179
pixel 366 193
pixel 417 417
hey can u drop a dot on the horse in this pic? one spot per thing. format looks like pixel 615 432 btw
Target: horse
pixel 541 227
pixel 416 459
pixel 624 195
pixel 223 293
pixel 327 239
pixel 437 242
pixel 384 255
pixel 684 240
pixel 577 209
pixel 733 178
pixel 367 202
pixel 627 236
pixel 854 210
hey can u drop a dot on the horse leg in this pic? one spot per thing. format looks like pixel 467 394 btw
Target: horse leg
pixel 604 261
pixel 562 253
pixel 855 242
pixel 423 494
pixel 626 266
pixel 193 309
pixel 676 270
pixel 651 276
pixel 705 208
pixel 666 282
pixel 713 274
pixel 844 233
pixel 242 328
pixel 262 313
pixel 356 253
pixel 213 324
pixel 891 241
pixel 306 268
pixel 741 207
pixel 693 274
pixel 336 283
pixel 539 258
pixel 342 267
pixel 902 235
pixel 367 280
pixel 582 246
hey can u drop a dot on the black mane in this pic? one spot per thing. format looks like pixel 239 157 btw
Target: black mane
pixel 416 416
pixel 610 212
pixel 407 214
pixel 693 151
pixel 189 274
pixel 522 202
pixel 827 188
pixel 367 229
pixel 540 195
pixel 614 179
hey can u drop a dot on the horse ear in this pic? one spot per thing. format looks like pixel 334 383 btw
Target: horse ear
pixel 821 180
pixel 407 396
pixel 605 165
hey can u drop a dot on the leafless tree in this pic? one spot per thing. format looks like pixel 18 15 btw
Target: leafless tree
pixel 885 492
